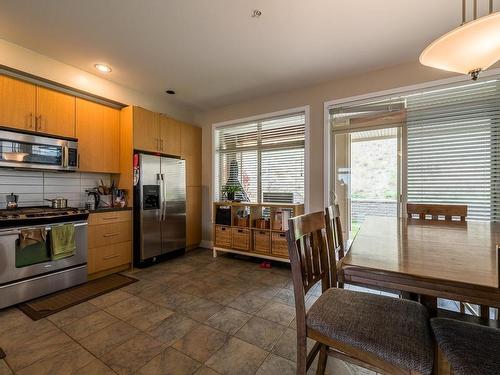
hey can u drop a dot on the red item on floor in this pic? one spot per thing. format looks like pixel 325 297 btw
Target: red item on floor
pixel 265 264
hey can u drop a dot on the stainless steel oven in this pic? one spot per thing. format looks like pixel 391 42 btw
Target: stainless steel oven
pixel 33 151
pixel 18 284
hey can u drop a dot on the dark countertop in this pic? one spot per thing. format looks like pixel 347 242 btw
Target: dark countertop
pixel 111 209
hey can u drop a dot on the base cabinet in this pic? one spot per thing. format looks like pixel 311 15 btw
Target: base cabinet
pixel 110 241
pixel 109 257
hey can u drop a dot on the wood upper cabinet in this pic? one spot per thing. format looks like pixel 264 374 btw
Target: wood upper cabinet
pixel 146 130
pixel 98 132
pixel 193 216
pixel 170 136
pixel 55 113
pixel 191 152
pixel 17 103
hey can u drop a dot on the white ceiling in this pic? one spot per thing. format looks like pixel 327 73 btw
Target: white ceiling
pixel 213 53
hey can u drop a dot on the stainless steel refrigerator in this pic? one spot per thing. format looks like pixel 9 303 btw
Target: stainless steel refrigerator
pixel 159 207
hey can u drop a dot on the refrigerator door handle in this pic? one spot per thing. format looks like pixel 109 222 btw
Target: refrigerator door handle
pixel 160 184
pixel 164 197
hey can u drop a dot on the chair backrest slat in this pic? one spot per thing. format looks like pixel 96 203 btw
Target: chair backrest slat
pixel 335 241
pixel 435 211
pixel 308 251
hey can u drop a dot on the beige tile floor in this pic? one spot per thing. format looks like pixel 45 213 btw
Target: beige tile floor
pixel 190 315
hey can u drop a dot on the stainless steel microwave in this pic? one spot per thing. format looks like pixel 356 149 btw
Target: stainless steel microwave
pixel 33 151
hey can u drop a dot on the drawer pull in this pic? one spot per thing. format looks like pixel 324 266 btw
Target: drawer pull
pixel 262 233
pixel 282 235
pixel 110 218
pixel 222 228
pixel 111 256
pixel 111 234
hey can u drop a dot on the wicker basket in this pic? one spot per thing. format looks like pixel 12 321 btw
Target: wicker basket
pixel 241 221
pixel 262 223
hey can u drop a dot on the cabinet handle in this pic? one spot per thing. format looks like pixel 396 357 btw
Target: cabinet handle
pixel 111 234
pixel 38 122
pixel 110 218
pixel 282 235
pixel 30 124
pixel 111 256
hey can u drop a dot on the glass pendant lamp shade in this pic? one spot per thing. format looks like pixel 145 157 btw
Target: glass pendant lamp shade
pixel 468 49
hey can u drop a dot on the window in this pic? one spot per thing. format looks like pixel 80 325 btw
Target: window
pixel 264 158
pixel 453 147
pixel 451 142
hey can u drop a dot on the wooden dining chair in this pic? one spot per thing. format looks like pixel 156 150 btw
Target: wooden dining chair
pixel 470 349
pixel 335 242
pixel 384 334
pixel 436 211
pixel 444 212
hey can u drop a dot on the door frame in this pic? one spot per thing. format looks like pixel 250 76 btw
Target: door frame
pixel 400 162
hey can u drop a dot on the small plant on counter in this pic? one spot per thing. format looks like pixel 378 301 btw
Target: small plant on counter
pixel 230 190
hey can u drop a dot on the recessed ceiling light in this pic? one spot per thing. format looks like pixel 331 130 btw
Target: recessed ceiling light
pixel 103 68
pixel 170 92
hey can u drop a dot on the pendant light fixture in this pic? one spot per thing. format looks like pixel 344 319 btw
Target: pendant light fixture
pixel 470 48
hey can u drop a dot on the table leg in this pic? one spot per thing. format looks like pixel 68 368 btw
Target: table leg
pixel 484 312
pixel 409 296
pixel 430 304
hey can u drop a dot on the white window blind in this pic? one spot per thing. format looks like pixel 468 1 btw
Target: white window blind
pixel 265 158
pixel 453 147
pixel 453 142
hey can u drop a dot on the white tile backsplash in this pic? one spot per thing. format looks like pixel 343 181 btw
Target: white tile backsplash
pixel 33 187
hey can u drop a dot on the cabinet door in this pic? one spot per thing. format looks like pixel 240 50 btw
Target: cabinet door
pixel 191 152
pixel 55 113
pixel 170 136
pixel 17 103
pixel 97 130
pixel 111 139
pixel 146 133
pixel 193 216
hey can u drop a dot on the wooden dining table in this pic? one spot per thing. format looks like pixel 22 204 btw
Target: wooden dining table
pixel 436 259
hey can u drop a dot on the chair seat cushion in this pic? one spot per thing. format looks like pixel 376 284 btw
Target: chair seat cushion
pixel 394 330
pixel 471 349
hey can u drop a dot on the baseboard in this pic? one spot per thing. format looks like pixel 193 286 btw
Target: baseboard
pixel 207 244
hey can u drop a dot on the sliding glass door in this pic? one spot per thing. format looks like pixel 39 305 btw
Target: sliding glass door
pixel 367 174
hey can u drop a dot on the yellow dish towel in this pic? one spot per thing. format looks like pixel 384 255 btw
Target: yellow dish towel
pixel 62 241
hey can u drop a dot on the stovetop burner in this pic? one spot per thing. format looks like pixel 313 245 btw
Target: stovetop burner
pixel 29 214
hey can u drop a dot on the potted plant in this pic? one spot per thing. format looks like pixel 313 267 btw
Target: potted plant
pixel 230 190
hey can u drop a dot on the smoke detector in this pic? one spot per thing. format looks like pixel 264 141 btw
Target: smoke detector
pixel 256 13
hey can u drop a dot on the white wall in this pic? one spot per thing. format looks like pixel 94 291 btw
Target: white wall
pixel 315 96
pixel 25 60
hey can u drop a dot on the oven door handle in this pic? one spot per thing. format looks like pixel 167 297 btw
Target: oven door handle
pixel 17 231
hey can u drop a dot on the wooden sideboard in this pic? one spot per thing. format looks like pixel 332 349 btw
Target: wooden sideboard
pixel 255 229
